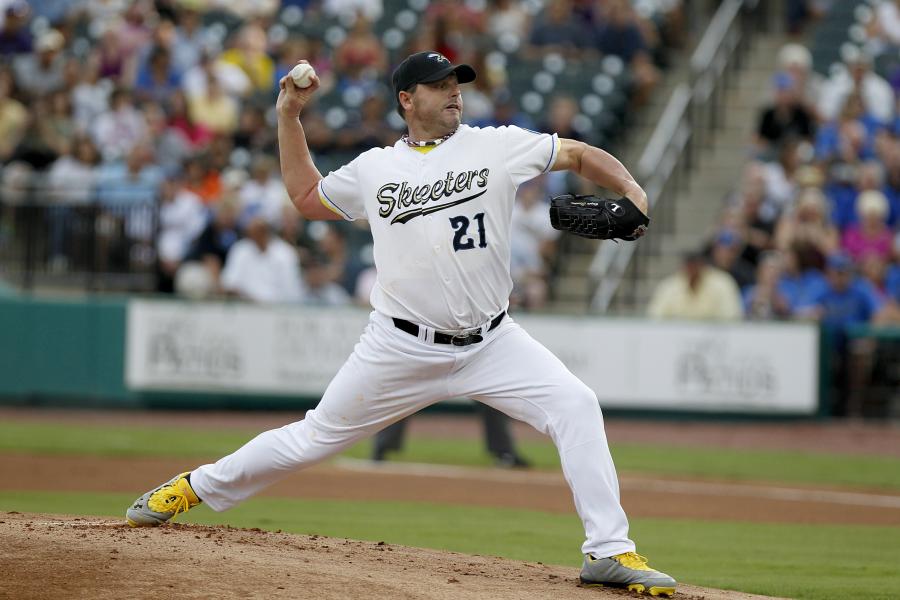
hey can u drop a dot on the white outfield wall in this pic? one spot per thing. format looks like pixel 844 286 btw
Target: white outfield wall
pixel 755 368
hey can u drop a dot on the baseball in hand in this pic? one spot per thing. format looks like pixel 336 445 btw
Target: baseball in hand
pixel 302 75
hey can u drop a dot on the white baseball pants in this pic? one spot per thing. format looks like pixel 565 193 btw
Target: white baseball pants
pixel 392 374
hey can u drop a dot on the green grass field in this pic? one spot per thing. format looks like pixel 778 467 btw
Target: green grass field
pixel 721 463
pixel 801 561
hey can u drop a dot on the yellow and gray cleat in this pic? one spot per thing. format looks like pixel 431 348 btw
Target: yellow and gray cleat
pixel 628 570
pixel 163 503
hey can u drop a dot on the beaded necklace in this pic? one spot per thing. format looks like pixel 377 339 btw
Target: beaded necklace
pixel 436 142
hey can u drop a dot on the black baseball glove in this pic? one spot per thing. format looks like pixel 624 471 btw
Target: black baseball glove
pixel 598 218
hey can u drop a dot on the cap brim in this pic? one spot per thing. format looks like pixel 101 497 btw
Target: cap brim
pixel 464 74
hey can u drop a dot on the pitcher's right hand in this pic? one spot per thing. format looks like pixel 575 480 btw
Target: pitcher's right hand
pixel 292 99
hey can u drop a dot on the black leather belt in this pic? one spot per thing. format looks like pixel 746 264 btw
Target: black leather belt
pixel 463 339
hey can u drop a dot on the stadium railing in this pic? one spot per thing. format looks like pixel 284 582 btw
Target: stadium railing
pixel 92 244
pixel 692 113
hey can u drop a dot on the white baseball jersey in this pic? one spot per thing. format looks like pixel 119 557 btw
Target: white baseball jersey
pixel 441 220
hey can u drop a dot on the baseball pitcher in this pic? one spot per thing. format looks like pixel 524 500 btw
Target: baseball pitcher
pixel 439 203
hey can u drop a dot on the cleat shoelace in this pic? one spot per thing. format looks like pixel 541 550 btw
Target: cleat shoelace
pixel 173 500
pixel 633 560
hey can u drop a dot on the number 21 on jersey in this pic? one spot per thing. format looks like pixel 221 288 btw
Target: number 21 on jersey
pixel 461 239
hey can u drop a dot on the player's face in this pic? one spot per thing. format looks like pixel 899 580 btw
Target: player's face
pixel 439 103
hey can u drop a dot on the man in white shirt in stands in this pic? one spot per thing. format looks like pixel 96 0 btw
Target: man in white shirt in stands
pixel 697 291
pixel 262 267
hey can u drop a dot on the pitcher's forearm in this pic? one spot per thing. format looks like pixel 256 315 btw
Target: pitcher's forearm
pixel 298 171
pixel 601 168
pixel 605 170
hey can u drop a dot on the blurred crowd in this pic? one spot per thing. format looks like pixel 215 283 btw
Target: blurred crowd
pixel 161 113
pixel 812 230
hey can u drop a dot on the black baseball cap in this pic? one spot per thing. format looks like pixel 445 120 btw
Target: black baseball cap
pixel 427 67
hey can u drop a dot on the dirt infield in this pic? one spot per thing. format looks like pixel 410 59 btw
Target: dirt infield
pixel 49 556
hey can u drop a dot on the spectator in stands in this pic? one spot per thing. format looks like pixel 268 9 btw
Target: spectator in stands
pixel 796 60
pixel 786 117
pixel 556 29
pixel 249 53
pixel 726 254
pixel 202 180
pixel 182 217
pixel 560 117
pixel 755 226
pixel 169 145
pixel 14 117
pixel 870 235
pixel 113 63
pixel 70 182
pixel 119 130
pixel 454 27
pixel 506 112
pixel 15 36
pixel 90 94
pixel 843 195
pixel 57 125
pixel 802 276
pixel 122 186
pixel 214 109
pixel 767 299
pixel 230 77
pixel 333 251
pixel 873 269
pixel 780 177
pixel 371 10
pixel 262 267
pixel 801 12
pixel 319 287
pixel 857 75
pixel 846 301
pixel 883 29
pixel 41 72
pixel 697 291
pixel 253 133
pixel 506 18
pixel 157 78
pixel 288 54
pixel 263 194
pixel 319 136
pixel 891 311
pixel 212 245
pixel 360 58
pixel 532 246
pixel 369 130
pixel 851 136
pixel 619 34
pixel 479 99
pixel 188 44
pixel 34 150
pixel 891 187
pixel 807 227
pixel 134 32
pixel 73 175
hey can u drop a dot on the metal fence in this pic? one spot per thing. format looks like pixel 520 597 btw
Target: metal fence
pixel 85 240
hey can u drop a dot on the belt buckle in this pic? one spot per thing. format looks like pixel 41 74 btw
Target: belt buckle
pixel 472 336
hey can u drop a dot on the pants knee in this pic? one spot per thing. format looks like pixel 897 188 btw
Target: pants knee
pixel 579 418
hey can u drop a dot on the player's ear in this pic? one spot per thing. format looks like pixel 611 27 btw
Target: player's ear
pixel 405 100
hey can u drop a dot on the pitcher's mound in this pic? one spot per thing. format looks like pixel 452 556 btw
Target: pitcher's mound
pixel 60 556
